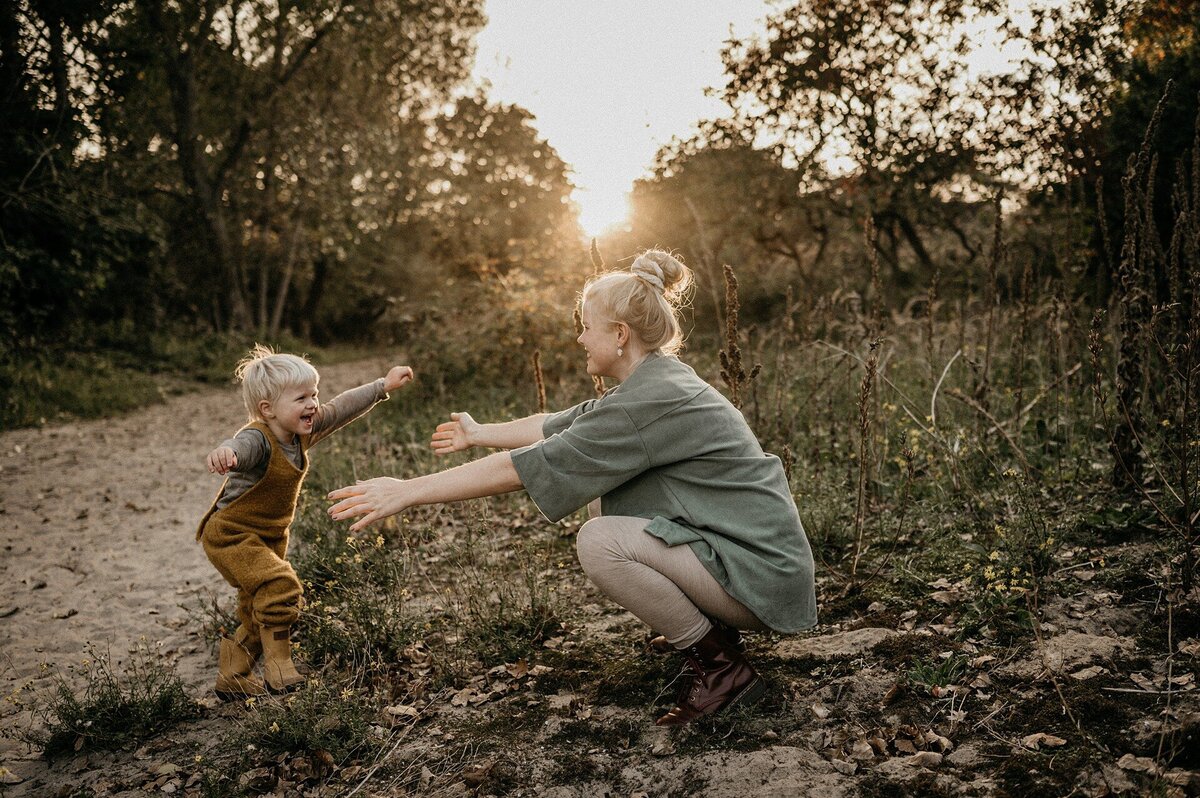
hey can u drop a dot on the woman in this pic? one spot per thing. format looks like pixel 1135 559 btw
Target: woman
pixel 672 463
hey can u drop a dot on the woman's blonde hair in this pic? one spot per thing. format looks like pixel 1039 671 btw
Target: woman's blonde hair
pixel 266 374
pixel 647 298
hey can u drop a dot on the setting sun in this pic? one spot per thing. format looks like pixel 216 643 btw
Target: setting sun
pixel 621 80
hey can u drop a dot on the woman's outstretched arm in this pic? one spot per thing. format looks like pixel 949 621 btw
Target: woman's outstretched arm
pixel 462 432
pixel 374 499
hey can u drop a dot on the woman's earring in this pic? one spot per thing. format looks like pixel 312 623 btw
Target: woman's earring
pixel 620 351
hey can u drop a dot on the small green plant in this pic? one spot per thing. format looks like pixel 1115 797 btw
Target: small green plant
pixel 215 619
pixel 939 671
pixel 321 716
pixel 355 593
pixel 114 707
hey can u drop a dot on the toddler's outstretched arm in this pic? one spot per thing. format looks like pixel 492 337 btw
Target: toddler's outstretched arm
pixel 222 460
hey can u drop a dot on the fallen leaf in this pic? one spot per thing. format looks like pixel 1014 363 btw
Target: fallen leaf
pixel 980 661
pixel 844 767
pixel 662 748
pixel 403 711
pixel 7 777
pixel 477 774
pixel 1042 740
pixel 821 711
pixel 518 669
pixel 946 596
pixel 1190 647
pixel 938 742
pixel 1139 764
pixel 1143 681
pixel 924 759
pixel 1089 673
pixel 861 750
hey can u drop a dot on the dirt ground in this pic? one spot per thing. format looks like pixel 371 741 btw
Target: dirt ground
pixel 97 522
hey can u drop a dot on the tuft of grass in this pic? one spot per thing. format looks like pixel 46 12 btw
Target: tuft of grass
pixel 938 671
pixel 517 608
pixel 320 717
pixel 114 708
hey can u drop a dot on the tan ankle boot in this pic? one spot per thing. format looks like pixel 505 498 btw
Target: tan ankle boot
pixel 278 669
pixel 235 666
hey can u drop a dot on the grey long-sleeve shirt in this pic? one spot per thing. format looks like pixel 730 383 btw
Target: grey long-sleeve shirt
pixel 253 450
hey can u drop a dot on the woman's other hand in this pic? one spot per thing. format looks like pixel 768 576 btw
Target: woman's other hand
pixel 373 499
pixel 458 434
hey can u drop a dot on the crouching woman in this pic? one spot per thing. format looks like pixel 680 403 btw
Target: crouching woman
pixel 698 535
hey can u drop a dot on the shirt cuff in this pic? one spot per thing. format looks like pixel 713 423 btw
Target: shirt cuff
pixel 539 480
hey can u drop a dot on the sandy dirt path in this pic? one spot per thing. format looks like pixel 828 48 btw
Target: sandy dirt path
pixel 97 522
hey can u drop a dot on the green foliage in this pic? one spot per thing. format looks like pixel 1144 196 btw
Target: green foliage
pixel 114 707
pixel 321 716
pixel 938 671
pixel 515 608
pixel 356 591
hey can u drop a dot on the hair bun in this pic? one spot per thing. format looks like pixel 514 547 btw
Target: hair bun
pixel 662 271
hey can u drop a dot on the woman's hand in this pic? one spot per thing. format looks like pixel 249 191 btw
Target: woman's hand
pixel 372 499
pixel 458 434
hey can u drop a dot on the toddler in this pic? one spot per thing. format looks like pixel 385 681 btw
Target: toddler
pixel 245 532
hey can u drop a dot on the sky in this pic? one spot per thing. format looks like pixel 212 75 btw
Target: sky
pixel 610 81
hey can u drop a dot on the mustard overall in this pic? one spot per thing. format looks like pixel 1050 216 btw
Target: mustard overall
pixel 247 541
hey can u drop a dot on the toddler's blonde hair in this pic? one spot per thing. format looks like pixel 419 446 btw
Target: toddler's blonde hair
pixel 266 374
pixel 647 298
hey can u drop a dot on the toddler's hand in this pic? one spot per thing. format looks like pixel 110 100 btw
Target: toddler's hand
pixel 397 377
pixel 221 460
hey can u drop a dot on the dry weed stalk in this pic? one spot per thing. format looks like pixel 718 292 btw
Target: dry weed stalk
pixel 1138 246
pixel 865 389
pixel 931 298
pixel 991 299
pixel 732 371
pixel 597 260
pixel 539 380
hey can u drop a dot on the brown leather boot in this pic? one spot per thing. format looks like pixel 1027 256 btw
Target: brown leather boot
pixel 235 666
pixel 278 669
pixel 718 677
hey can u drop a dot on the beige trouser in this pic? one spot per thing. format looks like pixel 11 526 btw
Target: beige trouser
pixel 666 587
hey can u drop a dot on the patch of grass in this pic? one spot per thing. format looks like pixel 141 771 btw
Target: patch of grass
pixel 84 385
pixel 114 707
pixel 321 716
pixel 355 594
pixel 510 605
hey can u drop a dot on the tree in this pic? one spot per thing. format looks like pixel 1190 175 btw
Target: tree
pixel 68 243
pixel 502 195
pixel 236 77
